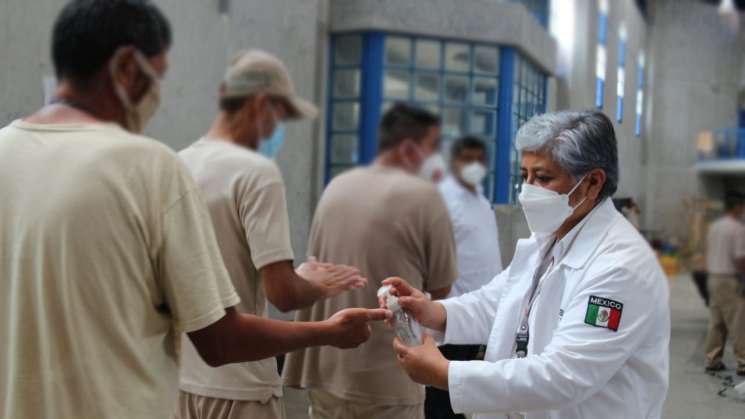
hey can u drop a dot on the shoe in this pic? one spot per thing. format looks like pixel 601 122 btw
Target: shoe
pixel 716 368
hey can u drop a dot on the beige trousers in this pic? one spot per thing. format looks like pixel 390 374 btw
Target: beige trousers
pixel 191 406
pixel 324 405
pixel 726 319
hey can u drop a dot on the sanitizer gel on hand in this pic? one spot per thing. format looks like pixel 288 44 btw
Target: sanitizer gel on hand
pixel 407 328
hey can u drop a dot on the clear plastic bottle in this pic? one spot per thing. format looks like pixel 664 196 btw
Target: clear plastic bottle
pixel 406 327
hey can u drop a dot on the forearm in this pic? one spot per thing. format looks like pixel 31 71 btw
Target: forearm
pixel 740 263
pixel 286 289
pixel 303 292
pixel 437 320
pixel 253 338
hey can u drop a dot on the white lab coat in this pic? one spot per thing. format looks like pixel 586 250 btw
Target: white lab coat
pixel 573 370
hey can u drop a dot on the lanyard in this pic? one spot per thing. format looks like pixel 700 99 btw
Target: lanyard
pixel 522 337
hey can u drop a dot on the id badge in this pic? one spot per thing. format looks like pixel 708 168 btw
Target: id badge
pixel 521 345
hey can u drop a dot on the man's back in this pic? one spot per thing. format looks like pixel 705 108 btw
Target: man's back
pixel 386 223
pixel 725 241
pixel 95 280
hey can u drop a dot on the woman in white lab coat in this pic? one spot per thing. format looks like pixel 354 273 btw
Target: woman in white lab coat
pixel 578 325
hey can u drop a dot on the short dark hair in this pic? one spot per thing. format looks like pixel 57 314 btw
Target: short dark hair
pixel 87 33
pixel 733 200
pixel 404 121
pixel 231 105
pixel 469 142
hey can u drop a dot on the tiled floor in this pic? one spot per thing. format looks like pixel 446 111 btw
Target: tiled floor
pixel 694 394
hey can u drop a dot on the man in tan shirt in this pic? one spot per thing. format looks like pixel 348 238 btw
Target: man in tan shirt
pixel 725 258
pixel 245 194
pixel 387 221
pixel 107 252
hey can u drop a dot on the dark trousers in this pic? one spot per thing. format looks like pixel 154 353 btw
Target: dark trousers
pixel 437 404
pixel 700 278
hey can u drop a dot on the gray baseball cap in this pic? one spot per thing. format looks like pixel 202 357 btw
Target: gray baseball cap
pixel 258 72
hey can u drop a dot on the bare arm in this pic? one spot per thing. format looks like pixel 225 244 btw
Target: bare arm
pixel 241 337
pixel 285 289
pixel 740 264
pixel 289 289
pixel 440 294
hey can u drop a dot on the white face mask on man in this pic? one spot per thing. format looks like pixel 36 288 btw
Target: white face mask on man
pixel 473 173
pixel 546 210
pixel 433 167
pixel 138 115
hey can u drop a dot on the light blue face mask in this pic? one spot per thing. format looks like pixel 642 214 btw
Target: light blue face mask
pixel 270 147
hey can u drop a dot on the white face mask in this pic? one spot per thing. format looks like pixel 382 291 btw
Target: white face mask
pixel 138 115
pixel 546 210
pixel 433 167
pixel 473 173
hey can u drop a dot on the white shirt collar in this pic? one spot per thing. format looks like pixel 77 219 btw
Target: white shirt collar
pixel 563 247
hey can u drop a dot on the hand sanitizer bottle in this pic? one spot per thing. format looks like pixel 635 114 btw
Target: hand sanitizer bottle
pixel 406 327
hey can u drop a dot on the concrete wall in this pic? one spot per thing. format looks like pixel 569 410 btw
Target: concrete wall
pixel 203 42
pixel 696 66
pixel 198 64
pixel 501 22
pixel 576 84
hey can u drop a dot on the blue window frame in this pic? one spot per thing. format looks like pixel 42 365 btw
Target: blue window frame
pixel 528 99
pixel 621 82
pixel 457 80
pixel 639 95
pixel 601 59
pixel 539 9
pixel 463 82
pixel 344 109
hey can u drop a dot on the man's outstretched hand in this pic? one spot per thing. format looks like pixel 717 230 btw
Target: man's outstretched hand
pixel 351 327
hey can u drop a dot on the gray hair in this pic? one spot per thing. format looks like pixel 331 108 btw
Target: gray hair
pixel 578 141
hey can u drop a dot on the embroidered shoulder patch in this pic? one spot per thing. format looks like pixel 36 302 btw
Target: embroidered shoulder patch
pixel 602 312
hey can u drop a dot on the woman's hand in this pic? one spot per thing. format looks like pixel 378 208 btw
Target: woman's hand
pixel 428 313
pixel 424 364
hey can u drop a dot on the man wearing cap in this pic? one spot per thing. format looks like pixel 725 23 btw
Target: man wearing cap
pixel 246 198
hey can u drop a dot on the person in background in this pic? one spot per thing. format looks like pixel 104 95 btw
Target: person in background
pixel 632 213
pixel 700 276
pixel 725 257
pixel 387 219
pixel 578 326
pixel 477 245
pixel 245 194
pixel 108 253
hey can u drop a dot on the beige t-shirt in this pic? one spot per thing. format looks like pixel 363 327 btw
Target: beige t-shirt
pixel 106 255
pixel 387 223
pixel 725 243
pixel 246 199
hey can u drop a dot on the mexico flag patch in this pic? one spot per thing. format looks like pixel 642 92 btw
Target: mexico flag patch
pixel 602 312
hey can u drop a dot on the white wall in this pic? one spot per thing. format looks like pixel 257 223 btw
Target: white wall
pixel 576 88
pixel 696 65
